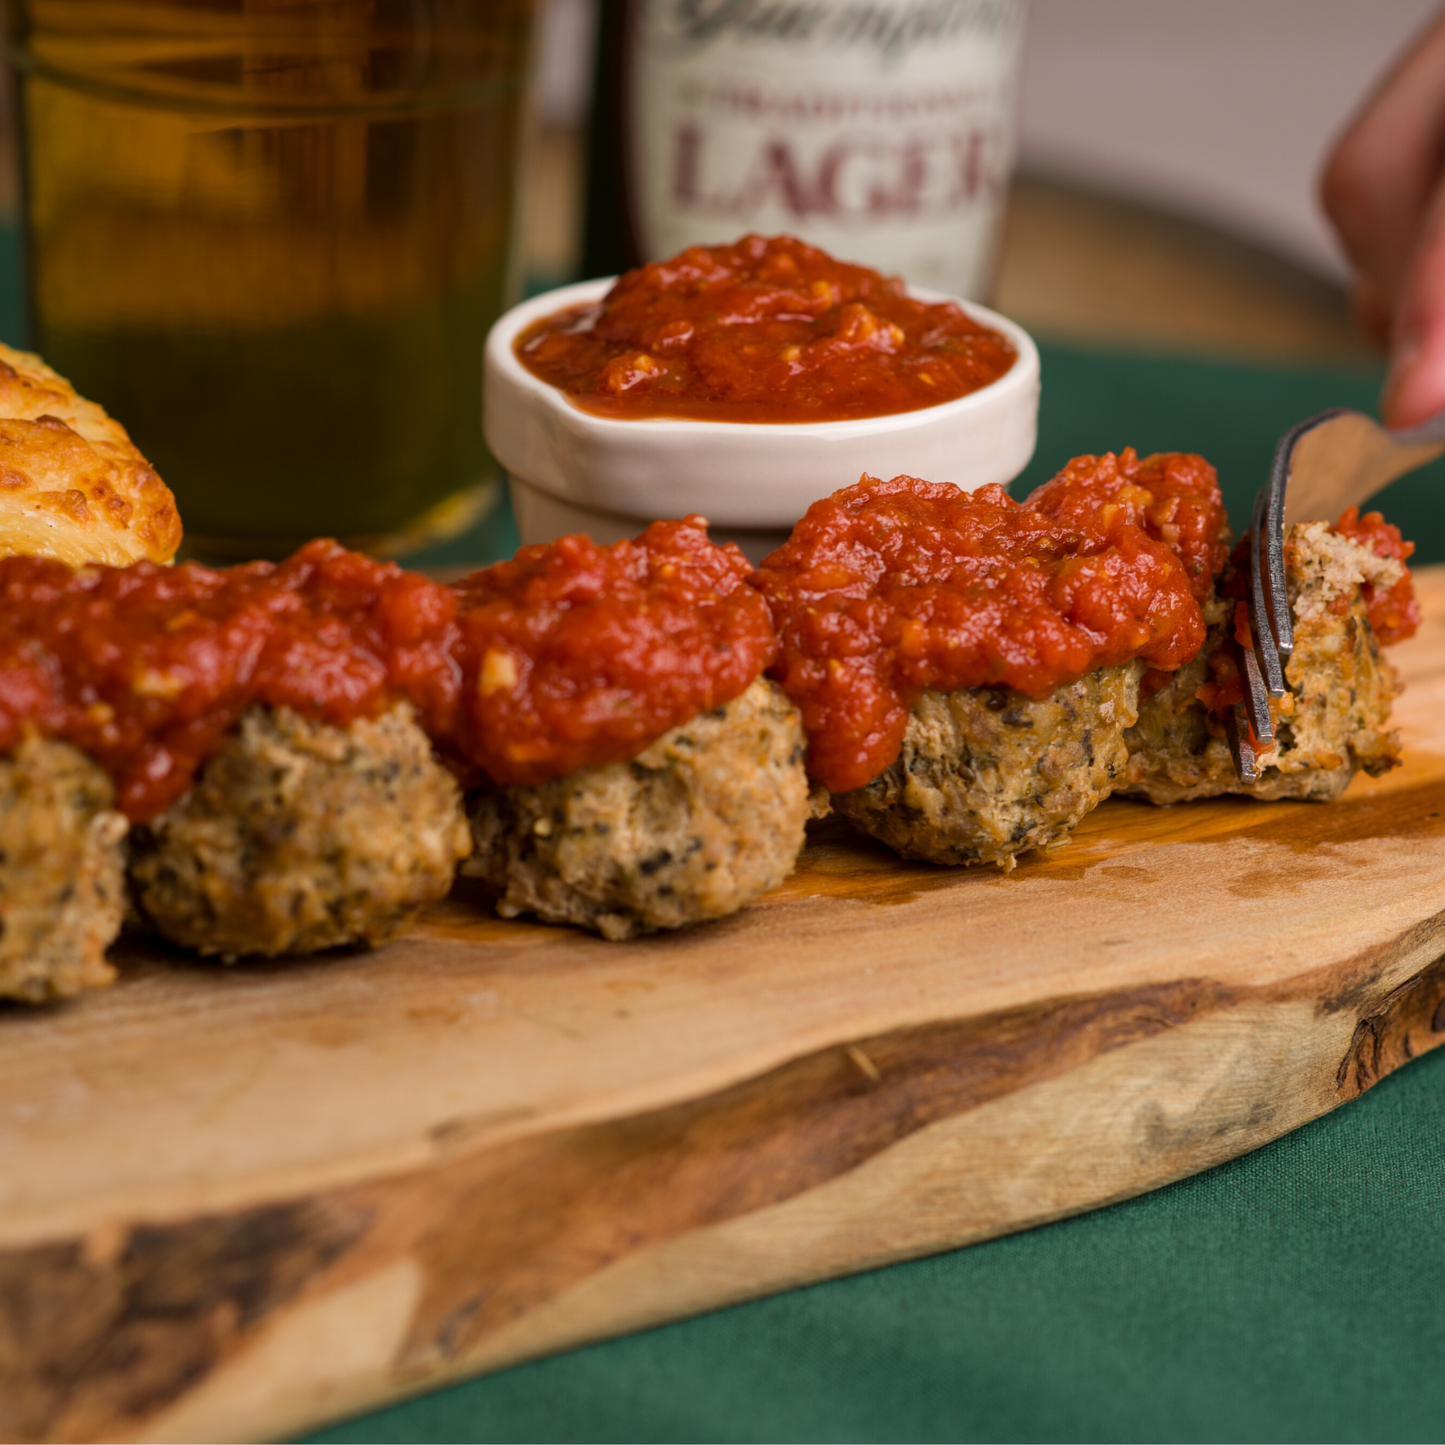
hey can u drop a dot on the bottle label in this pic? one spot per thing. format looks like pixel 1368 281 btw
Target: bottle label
pixel 880 130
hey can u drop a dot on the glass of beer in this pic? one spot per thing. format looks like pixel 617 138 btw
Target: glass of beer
pixel 269 236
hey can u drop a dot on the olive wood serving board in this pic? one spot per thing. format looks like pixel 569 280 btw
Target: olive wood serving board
pixel 239 1201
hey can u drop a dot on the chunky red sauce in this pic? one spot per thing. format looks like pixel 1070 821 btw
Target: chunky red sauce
pixel 1173 496
pixel 1225 686
pixel 767 330
pixel 571 654
pixel 886 589
pixel 1394 613
pixel 575 654
pixel 147 668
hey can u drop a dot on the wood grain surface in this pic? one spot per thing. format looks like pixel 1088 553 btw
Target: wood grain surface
pixel 240 1201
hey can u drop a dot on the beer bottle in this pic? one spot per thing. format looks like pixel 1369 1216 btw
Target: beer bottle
pixel 881 130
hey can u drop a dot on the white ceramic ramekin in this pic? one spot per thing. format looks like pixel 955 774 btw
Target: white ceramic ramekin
pixel 570 471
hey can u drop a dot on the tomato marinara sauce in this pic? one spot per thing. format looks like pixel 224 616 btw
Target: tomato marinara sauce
pixel 1394 613
pixel 1173 496
pixel 147 669
pixel 886 589
pixel 767 330
pixel 570 654
pixel 574 654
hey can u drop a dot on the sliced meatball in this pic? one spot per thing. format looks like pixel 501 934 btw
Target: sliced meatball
pixel 696 826
pixel 987 773
pixel 300 836
pixel 1335 720
pixel 62 872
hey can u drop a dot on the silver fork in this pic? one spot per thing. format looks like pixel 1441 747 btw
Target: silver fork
pixel 1326 463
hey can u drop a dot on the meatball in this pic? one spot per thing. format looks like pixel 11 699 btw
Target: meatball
pixel 699 824
pixel 987 773
pixel 1333 723
pixel 300 836
pixel 62 872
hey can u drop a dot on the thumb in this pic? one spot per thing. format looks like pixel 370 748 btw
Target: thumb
pixel 1415 386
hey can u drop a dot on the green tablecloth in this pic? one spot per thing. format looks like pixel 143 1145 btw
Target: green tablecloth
pixel 1099 401
pixel 1296 1294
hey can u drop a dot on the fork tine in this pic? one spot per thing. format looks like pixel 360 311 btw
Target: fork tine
pixel 1281 625
pixel 1236 725
pixel 1270 625
pixel 1256 699
pixel 1261 613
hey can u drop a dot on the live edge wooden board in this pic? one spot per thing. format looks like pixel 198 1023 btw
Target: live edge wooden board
pixel 239 1201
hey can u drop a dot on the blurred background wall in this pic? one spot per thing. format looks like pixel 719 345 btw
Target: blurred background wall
pixel 1168 163
pixel 1221 111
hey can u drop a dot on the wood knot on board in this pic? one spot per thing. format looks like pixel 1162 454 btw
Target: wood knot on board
pixel 100 1333
pixel 1407 1022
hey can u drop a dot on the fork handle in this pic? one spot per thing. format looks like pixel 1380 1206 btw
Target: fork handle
pixel 1432 429
pixel 1340 459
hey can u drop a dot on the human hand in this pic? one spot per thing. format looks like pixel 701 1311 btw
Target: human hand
pixel 1384 189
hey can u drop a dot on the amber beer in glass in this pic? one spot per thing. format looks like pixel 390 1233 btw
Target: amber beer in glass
pixel 269 236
